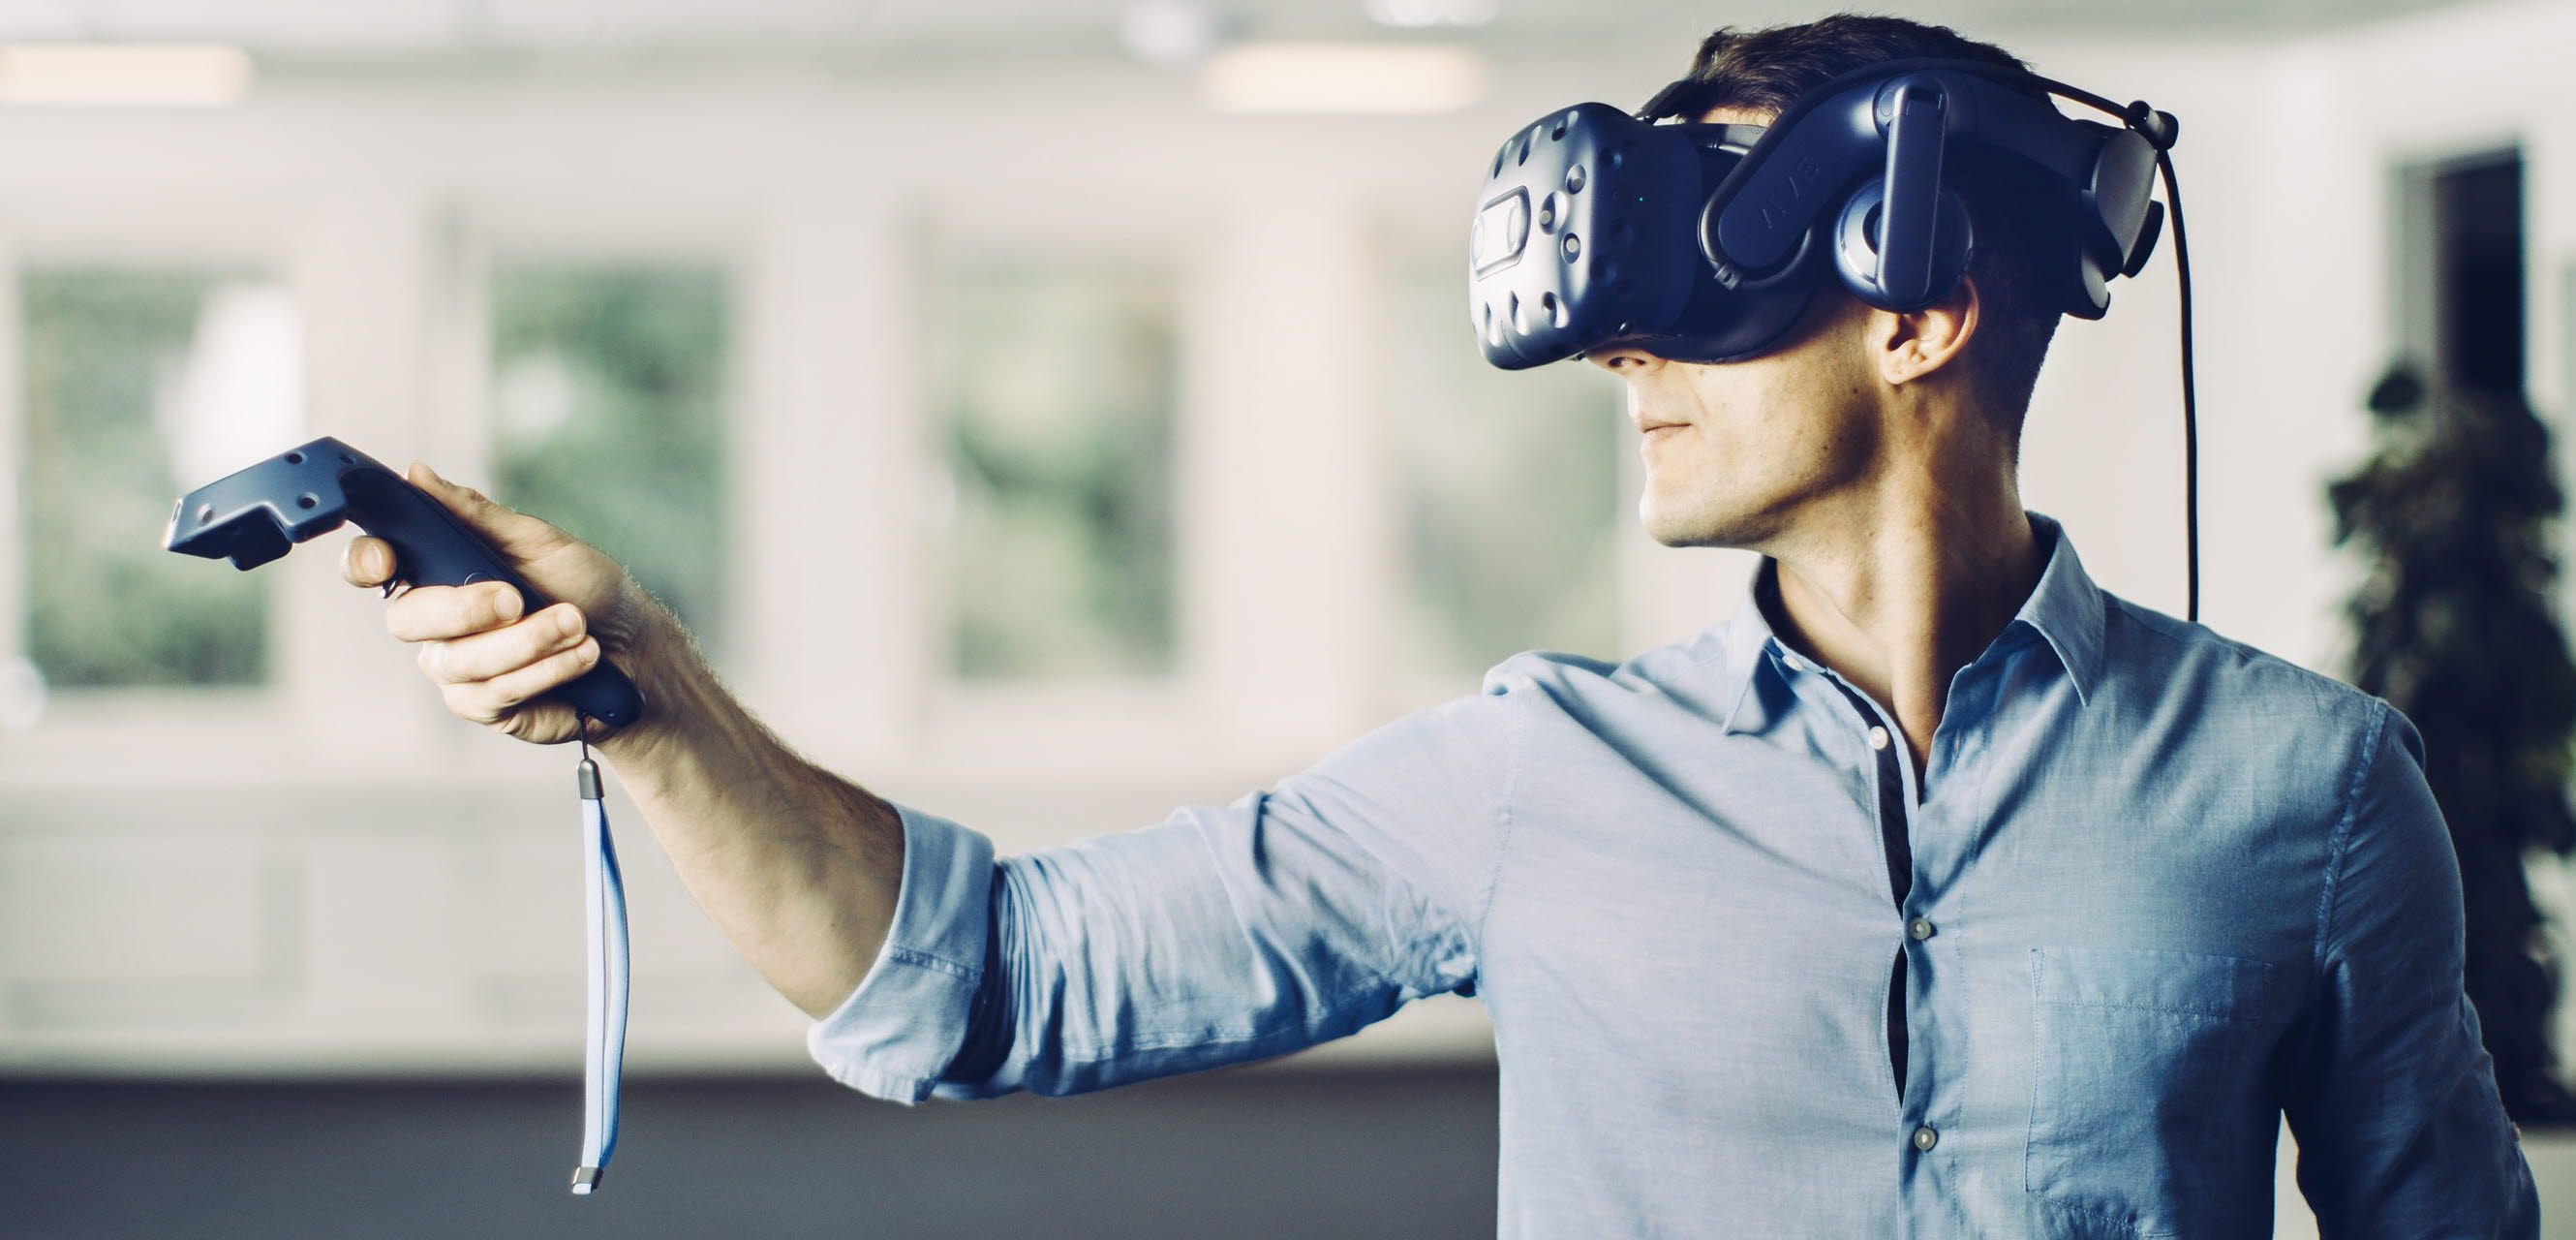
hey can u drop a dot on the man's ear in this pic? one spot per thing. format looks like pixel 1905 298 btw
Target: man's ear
pixel 1909 346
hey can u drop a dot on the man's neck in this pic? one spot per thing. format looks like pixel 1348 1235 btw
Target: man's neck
pixel 1898 590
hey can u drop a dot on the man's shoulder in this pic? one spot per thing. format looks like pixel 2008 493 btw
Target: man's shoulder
pixel 1581 684
pixel 2153 660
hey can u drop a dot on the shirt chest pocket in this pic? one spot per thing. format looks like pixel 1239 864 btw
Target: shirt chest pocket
pixel 2149 1104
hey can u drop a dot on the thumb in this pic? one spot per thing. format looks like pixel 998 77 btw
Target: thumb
pixel 510 531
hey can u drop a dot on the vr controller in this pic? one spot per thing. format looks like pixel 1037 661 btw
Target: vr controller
pixel 257 514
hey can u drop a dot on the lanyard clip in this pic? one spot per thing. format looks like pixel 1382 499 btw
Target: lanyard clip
pixel 585 775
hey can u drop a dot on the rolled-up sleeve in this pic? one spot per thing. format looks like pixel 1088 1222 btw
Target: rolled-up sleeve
pixel 897 1032
pixel 1298 913
pixel 2400 1129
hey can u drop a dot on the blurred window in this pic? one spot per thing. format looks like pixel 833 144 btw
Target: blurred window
pixel 1509 491
pixel 1057 385
pixel 609 387
pixel 140 385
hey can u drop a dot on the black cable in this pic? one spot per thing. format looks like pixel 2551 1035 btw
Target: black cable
pixel 2158 129
pixel 2190 401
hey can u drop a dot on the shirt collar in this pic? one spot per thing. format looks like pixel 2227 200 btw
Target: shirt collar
pixel 2064 609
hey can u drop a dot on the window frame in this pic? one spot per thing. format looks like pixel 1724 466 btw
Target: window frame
pixel 299 729
pixel 1077 726
pixel 944 265
pixel 96 731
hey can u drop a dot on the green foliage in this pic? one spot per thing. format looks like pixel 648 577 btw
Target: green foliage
pixel 2454 628
pixel 1058 387
pixel 106 605
pixel 610 387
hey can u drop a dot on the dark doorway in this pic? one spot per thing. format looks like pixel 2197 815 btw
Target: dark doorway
pixel 2461 279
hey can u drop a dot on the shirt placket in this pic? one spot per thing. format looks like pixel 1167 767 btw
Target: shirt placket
pixel 1895 794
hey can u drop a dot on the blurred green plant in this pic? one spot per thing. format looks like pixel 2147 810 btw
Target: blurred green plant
pixel 609 415
pixel 106 606
pixel 1058 387
pixel 2453 626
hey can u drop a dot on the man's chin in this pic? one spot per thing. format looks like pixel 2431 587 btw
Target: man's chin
pixel 1683 525
pixel 1674 529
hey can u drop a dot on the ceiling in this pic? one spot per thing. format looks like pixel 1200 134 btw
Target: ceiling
pixel 322 32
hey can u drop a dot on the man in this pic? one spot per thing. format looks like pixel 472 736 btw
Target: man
pixel 1937 892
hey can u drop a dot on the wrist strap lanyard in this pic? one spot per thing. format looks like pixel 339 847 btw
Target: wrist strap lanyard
pixel 604 903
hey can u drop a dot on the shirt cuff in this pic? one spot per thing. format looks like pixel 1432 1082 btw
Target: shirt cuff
pixel 899 1030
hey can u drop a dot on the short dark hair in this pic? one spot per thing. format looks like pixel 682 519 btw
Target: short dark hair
pixel 1766 70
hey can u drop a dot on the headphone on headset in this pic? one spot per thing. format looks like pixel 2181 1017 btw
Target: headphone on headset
pixel 1701 242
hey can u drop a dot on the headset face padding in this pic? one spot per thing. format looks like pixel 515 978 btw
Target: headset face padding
pixel 1705 242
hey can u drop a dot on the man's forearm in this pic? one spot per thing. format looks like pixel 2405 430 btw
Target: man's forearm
pixel 797 866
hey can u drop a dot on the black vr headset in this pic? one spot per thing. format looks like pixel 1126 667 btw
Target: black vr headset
pixel 1705 242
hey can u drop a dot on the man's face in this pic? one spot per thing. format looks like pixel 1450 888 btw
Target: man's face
pixel 1732 449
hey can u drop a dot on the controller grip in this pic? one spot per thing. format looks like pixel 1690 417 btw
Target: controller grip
pixel 433 548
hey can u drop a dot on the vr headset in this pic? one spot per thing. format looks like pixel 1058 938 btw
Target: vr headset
pixel 1704 242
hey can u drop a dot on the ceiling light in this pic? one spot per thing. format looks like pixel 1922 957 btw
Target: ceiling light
pixel 165 75
pixel 1167 32
pixel 1431 12
pixel 1343 78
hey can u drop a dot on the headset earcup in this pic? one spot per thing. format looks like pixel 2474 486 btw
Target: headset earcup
pixel 1856 246
pixel 2087 294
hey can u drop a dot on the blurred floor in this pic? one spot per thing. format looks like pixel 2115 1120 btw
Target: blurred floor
pixel 1243 1153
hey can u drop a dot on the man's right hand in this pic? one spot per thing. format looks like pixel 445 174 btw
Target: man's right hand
pixel 799 867
pixel 491 663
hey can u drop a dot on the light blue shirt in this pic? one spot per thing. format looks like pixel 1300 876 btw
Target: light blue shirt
pixel 2158 889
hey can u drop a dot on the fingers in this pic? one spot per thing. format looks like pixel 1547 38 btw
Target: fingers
pixel 439 613
pixel 367 561
pixel 486 701
pixel 485 655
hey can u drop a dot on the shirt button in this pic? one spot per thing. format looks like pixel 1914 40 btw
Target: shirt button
pixel 1795 663
pixel 1920 927
pixel 1925 1138
pixel 1878 738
